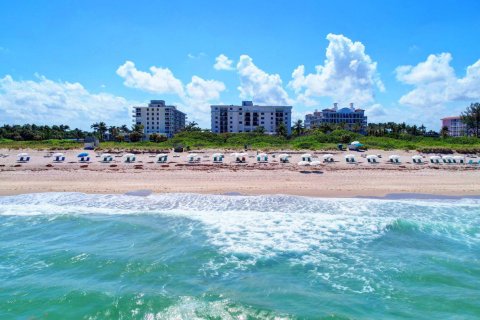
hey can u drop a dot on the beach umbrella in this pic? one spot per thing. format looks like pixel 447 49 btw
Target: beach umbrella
pixel 83 154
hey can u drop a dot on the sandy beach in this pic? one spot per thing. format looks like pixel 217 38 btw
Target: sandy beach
pixel 337 179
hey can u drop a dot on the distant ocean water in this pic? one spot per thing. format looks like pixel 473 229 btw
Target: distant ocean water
pixel 186 256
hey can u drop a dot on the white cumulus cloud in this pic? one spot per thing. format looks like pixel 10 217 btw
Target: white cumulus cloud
pixel 435 82
pixel 45 101
pixel 347 75
pixel 258 85
pixel 223 63
pixel 158 80
pixel 204 90
pixel 195 96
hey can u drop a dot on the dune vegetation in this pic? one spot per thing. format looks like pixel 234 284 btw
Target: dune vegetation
pixel 312 140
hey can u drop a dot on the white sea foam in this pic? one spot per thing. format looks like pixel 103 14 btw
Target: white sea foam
pixel 306 231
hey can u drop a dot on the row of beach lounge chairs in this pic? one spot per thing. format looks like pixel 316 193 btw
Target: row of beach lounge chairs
pixel 306 159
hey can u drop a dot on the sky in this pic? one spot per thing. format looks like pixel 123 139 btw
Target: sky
pixel 80 62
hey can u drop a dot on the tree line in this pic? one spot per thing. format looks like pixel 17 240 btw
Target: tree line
pixel 470 117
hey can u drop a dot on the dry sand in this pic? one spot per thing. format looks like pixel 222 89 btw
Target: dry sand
pixel 337 179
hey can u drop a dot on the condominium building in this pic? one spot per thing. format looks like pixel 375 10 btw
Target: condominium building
pixel 247 117
pixel 159 118
pixel 352 118
pixel 456 127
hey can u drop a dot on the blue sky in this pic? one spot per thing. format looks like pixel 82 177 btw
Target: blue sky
pixel 78 62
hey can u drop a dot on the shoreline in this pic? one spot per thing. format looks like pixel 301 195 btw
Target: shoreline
pixel 387 197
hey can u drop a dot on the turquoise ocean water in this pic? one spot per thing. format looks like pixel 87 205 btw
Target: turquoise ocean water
pixel 185 256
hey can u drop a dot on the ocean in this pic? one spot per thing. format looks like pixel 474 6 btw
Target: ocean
pixel 189 256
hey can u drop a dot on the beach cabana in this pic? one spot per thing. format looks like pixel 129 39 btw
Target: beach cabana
pixel 83 157
pixel 328 157
pixel 307 157
pixel 435 159
pixel 262 158
pixel 448 159
pixel 372 158
pixel 161 158
pixel 106 158
pixel 58 157
pixel 284 158
pixel 129 158
pixel 193 158
pixel 218 157
pixel 350 158
pixel 23 157
pixel 417 159
pixel 459 159
pixel 394 158
pixel 240 157
pixel 355 145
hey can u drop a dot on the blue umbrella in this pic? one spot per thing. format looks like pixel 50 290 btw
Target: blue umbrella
pixel 83 154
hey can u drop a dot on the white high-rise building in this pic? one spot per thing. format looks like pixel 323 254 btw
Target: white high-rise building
pixel 247 117
pixel 159 118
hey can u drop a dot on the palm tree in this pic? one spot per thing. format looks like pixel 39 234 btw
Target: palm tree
pixel 471 118
pixel 444 132
pixel 124 128
pixel 298 127
pixel 102 129
pixel 113 132
pixel 95 127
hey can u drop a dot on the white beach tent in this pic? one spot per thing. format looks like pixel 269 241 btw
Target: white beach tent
pixel 83 157
pixel 435 159
pixel 417 159
pixel 218 157
pixel 240 157
pixel 394 158
pixel 372 158
pixel 306 157
pixel 262 158
pixel 58 157
pixel 23 157
pixel 350 158
pixel 459 159
pixel 161 158
pixel 106 157
pixel 129 157
pixel 448 159
pixel 328 157
pixel 284 158
pixel 193 158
